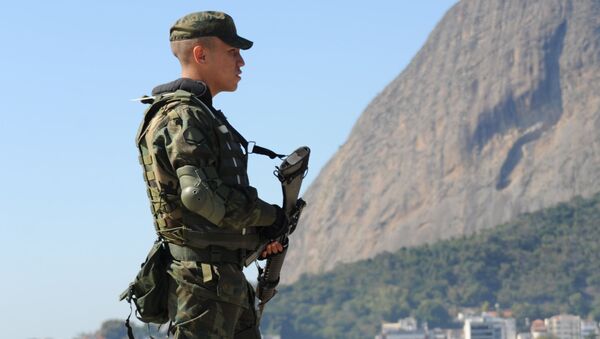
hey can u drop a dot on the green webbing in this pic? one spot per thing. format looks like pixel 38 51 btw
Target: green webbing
pixel 211 255
pixel 186 237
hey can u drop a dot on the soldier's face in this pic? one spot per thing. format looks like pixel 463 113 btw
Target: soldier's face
pixel 224 71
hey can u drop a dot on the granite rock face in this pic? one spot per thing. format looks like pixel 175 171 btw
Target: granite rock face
pixel 497 115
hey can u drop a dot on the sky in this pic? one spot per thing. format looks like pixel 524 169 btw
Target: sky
pixel 75 218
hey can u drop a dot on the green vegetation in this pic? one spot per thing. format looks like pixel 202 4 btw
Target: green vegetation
pixel 540 265
pixel 115 329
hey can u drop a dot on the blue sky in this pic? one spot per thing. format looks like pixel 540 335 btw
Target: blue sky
pixel 75 217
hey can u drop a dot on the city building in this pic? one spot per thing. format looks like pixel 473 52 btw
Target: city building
pixel 589 329
pixel 475 329
pixel 488 327
pixel 538 328
pixel 564 326
pixel 445 333
pixel 403 329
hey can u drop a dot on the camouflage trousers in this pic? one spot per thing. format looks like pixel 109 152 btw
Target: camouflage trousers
pixel 210 301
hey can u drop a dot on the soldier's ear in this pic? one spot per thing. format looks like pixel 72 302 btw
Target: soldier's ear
pixel 199 54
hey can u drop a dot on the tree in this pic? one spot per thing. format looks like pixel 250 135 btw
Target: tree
pixel 433 312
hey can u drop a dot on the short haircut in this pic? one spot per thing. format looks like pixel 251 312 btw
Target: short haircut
pixel 182 49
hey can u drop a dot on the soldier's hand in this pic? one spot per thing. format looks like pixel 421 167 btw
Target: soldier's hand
pixel 279 227
pixel 272 248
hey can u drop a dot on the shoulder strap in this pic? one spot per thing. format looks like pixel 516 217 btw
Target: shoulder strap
pixel 264 151
pixel 180 95
pixel 156 103
pixel 250 146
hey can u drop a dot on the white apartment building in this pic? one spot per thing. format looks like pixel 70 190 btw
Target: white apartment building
pixel 487 327
pixel 475 329
pixel 589 328
pixel 564 326
pixel 403 329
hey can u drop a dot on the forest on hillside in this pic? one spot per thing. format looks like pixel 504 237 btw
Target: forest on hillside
pixel 542 264
pixel 115 329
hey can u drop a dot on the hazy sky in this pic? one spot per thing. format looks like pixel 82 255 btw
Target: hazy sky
pixel 75 218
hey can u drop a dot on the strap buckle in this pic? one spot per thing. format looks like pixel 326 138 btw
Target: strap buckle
pixel 250 147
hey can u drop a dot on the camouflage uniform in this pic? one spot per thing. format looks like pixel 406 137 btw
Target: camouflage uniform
pixel 220 308
pixel 209 296
pixel 182 138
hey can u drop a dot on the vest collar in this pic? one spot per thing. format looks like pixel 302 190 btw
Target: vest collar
pixel 198 88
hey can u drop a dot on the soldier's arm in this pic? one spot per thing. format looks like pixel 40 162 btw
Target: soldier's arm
pixel 192 151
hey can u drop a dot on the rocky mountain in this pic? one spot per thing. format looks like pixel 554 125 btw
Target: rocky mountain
pixel 498 114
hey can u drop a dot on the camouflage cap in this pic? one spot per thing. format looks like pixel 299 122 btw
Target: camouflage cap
pixel 209 23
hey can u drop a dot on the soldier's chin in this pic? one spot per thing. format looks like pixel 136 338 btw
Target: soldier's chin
pixel 233 87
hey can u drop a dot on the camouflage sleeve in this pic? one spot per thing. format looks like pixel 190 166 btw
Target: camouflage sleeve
pixel 244 208
pixel 192 141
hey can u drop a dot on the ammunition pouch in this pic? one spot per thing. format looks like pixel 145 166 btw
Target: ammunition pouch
pixel 149 289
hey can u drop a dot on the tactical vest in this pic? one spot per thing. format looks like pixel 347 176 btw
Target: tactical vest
pixel 173 222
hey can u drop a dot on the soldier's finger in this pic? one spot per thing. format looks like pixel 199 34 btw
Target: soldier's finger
pixel 276 248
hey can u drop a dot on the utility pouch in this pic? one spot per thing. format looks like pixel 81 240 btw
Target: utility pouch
pixel 150 288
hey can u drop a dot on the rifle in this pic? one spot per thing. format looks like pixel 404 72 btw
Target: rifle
pixel 290 173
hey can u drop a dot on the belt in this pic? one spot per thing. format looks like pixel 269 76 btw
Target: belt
pixel 208 255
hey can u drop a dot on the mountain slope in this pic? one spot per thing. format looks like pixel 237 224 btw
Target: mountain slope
pixel 497 115
pixel 539 265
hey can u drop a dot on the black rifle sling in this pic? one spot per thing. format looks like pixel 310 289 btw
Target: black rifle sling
pixel 255 149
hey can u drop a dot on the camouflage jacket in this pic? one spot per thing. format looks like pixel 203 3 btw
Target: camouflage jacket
pixel 178 130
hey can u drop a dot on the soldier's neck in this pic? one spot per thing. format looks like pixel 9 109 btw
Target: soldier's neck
pixel 194 75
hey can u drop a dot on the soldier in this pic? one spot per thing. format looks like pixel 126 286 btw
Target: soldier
pixel 195 168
